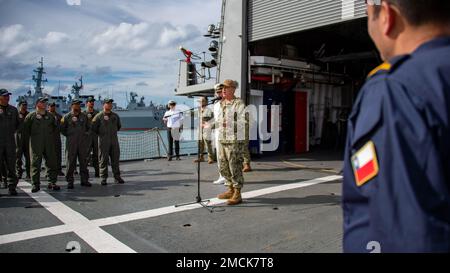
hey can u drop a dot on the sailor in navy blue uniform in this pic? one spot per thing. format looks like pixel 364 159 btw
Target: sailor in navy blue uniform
pixel 396 189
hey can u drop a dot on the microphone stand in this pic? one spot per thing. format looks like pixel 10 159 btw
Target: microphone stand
pixel 198 198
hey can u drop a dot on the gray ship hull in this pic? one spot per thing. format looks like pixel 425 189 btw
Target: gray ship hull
pixel 138 120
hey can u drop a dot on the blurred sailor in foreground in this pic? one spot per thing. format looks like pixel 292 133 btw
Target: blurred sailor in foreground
pixel 396 189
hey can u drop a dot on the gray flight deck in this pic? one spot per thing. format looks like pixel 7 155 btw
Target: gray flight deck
pixel 295 212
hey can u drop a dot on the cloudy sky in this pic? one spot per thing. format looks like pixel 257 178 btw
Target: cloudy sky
pixel 117 45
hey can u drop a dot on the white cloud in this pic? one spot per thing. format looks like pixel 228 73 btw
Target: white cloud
pixel 172 35
pixel 124 37
pixel 132 38
pixel 15 40
pixel 54 38
pixel 73 2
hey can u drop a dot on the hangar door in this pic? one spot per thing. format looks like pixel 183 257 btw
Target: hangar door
pixel 269 18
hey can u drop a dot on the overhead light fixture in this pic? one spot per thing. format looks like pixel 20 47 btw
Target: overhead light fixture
pixel 210 30
pixel 214 46
pixel 210 64
pixel 217 29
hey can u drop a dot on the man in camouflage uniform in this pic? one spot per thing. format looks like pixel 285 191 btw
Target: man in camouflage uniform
pixel 205 138
pixel 106 124
pixel 40 126
pixel 57 137
pixel 231 124
pixel 92 138
pixel 22 144
pixel 9 122
pixel 75 127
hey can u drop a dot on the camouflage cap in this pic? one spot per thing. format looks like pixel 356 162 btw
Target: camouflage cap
pixel 230 83
pixel 42 99
pixel 91 99
pixel 75 101
pixel 108 100
pixel 218 86
pixel 4 92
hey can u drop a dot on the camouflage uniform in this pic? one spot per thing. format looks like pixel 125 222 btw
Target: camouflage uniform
pixel 106 127
pixel 9 122
pixel 41 130
pixel 76 128
pixel 205 140
pixel 231 124
pixel 22 148
pixel 246 152
pixel 92 144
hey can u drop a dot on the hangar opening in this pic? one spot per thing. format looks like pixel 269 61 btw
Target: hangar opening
pixel 314 77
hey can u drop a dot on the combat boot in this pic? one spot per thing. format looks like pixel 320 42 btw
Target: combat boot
pixel 104 183
pixel 119 180
pixel 12 190
pixel 86 184
pixel 236 199
pixel 247 168
pixel 228 194
pixel 35 188
pixel 70 186
pixel 53 187
pixel 97 173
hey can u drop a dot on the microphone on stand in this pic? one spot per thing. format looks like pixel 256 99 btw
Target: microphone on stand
pixel 215 99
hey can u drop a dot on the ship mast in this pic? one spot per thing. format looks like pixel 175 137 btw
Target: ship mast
pixel 76 88
pixel 38 78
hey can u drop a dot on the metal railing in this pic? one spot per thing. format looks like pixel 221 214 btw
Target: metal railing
pixel 150 144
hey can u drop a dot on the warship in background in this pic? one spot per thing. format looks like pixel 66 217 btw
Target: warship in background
pixel 137 116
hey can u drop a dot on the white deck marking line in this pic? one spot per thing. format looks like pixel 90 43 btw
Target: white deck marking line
pixel 213 202
pixel 26 235
pixel 98 239
pixel 33 234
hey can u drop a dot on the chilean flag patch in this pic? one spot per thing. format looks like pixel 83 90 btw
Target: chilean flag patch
pixel 365 164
